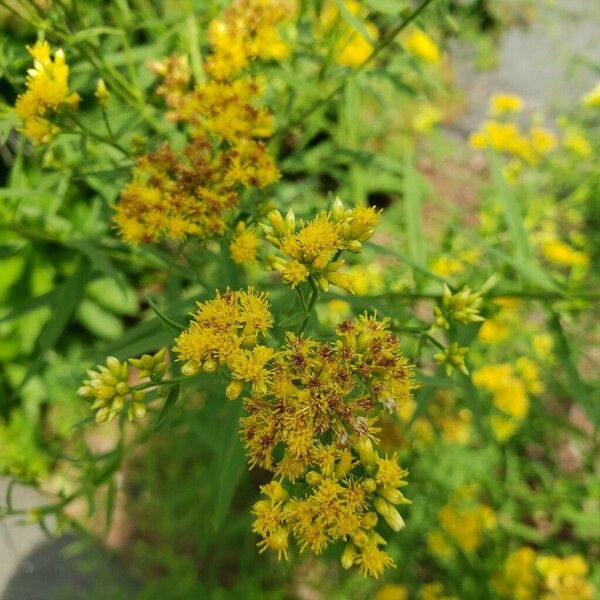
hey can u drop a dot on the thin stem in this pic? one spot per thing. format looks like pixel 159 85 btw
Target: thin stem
pixel 302 300
pixel 384 43
pixel 313 300
pixel 98 137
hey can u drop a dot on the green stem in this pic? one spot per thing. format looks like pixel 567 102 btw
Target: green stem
pixel 98 137
pixel 383 44
pixel 313 300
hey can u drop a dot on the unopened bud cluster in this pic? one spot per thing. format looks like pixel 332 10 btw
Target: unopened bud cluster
pixel 109 387
pixel 312 249
pixel 453 357
pixel 461 307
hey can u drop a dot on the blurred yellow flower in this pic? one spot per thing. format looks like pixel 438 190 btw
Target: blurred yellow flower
pixel 543 345
pixel 592 98
pixel 438 545
pixel 466 525
pixel 542 139
pixel 505 103
pixel 353 50
pixel 425 117
pixel 493 330
pixel 392 591
pixel 419 44
pixel 575 141
pixel 560 253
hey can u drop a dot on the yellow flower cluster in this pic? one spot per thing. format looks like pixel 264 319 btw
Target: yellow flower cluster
pixel 315 430
pixel 464 521
pixel 175 196
pixel 109 386
pixel 248 30
pixel 460 307
pixel 508 138
pixel 47 91
pixel 312 411
pixel 510 387
pixel 314 249
pixel 525 575
pixel 226 331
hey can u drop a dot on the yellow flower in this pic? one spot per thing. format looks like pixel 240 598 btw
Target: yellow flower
pixel 446 266
pixel 426 117
pixel 353 50
pixel 505 103
pixel 47 91
pixel 294 273
pixel 543 346
pixel 419 44
pixel 517 578
pixel 101 92
pixel 493 331
pixel 530 373
pixel 592 98
pixel 433 591
pixel 244 245
pixel 577 143
pixel 438 545
pixel 466 525
pixel 503 427
pixel 542 139
pixel 561 254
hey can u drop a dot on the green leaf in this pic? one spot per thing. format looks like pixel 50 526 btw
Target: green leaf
pixel 170 400
pixel 230 461
pixel 63 307
pixel 387 7
pixel 98 321
pixel 171 325
pixel 353 21
pixel 575 386
pixel 110 294
pixel 512 213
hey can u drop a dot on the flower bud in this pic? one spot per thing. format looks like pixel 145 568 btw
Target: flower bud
pixel 114 366
pixel 337 210
pixel 313 478
pixel 344 465
pixel 366 453
pixel 389 513
pixel 101 92
pixel 290 221
pixel 234 389
pixel 277 223
pixel 349 555
pixel 191 367
pixel 369 520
